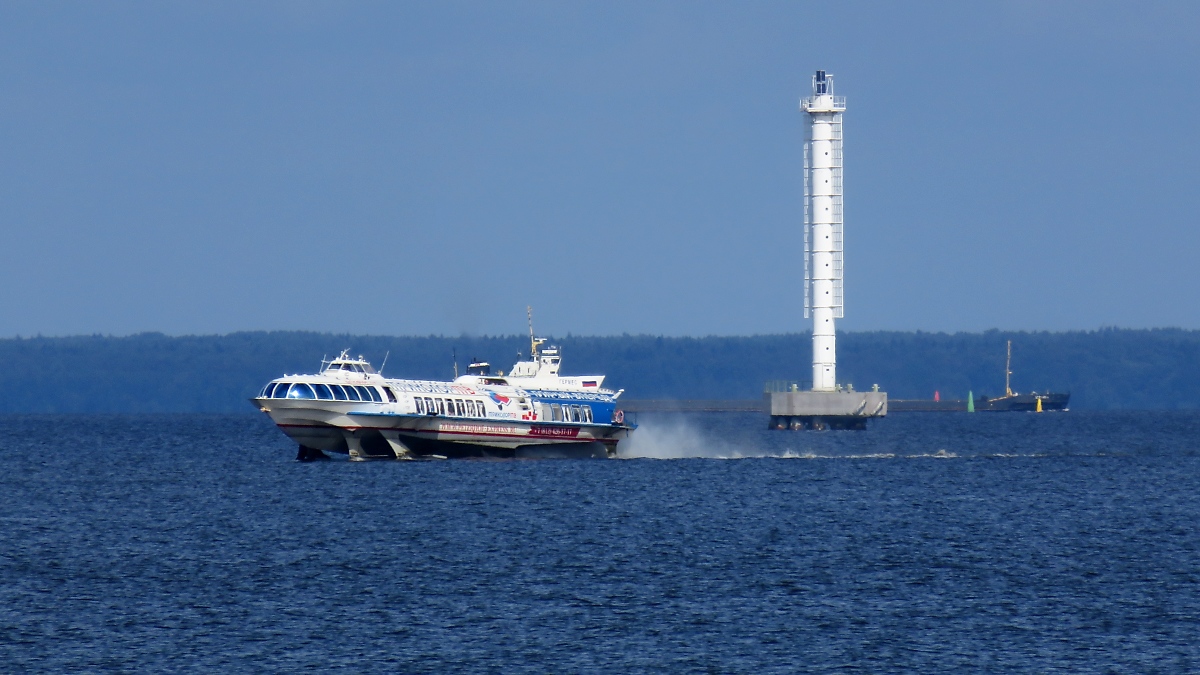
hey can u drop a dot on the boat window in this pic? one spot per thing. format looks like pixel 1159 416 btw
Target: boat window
pixel 587 413
pixel 390 393
pixel 462 407
pixel 575 414
pixel 301 390
pixel 420 402
pixel 429 407
pixel 365 393
pixel 280 390
pixel 352 394
pixel 441 406
pixel 339 394
pixel 266 392
pixel 323 392
pixel 372 394
pixel 555 412
pixel 479 411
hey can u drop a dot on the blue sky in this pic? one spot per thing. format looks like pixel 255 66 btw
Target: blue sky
pixel 424 168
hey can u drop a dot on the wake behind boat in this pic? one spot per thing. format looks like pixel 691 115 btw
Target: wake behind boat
pixel 533 412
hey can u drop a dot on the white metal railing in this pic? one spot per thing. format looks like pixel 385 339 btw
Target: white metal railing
pixel 838 104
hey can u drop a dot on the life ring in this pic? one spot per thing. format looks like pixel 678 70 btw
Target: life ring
pixel 619 417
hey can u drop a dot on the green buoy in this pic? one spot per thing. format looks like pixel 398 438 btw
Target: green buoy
pixel 970 402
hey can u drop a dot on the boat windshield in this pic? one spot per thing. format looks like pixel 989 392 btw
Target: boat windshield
pixel 352 367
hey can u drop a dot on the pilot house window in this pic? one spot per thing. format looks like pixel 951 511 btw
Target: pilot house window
pixel 301 390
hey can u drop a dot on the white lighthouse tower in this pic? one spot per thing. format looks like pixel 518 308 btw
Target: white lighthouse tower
pixel 829 405
pixel 823 225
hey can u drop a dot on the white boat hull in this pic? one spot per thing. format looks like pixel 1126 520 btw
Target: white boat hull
pixel 366 431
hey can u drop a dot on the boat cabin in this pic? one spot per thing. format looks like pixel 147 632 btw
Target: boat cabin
pixel 345 364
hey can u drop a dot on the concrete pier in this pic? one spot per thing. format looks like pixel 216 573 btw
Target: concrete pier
pixel 819 410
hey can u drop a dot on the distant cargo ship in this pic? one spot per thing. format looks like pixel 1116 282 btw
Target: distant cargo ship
pixel 1009 402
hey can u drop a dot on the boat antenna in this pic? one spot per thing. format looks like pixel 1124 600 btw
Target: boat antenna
pixel 1008 370
pixel 454 355
pixel 532 340
pixel 384 364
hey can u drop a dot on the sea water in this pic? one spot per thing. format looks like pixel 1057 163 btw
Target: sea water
pixel 932 542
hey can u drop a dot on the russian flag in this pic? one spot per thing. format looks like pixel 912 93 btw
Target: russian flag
pixel 589 383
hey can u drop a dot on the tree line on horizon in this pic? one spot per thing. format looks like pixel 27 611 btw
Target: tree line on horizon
pixel 1105 369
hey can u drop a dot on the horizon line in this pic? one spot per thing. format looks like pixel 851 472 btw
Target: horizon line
pixel 572 336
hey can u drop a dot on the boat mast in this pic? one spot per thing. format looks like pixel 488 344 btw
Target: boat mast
pixel 1008 370
pixel 533 353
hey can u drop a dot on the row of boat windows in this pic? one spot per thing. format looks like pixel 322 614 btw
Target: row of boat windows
pixel 457 407
pixel 326 392
pixel 470 408
pixel 442 406
pixel 570 413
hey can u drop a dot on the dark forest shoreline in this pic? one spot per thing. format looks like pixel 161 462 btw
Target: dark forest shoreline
pixel 1109 369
